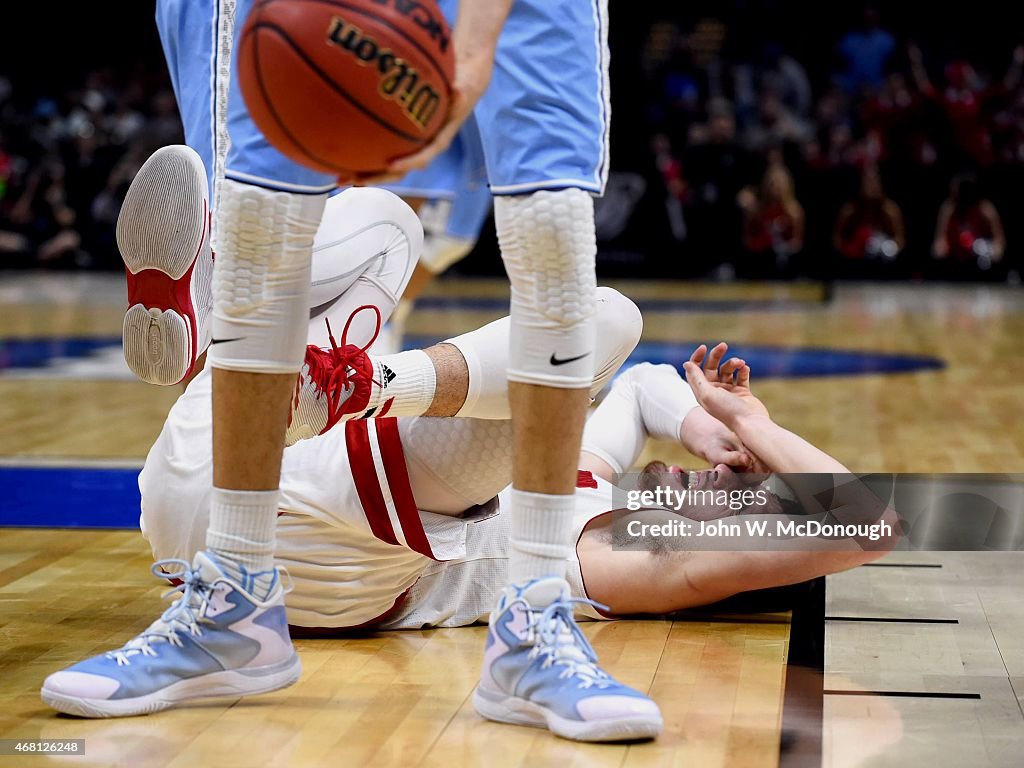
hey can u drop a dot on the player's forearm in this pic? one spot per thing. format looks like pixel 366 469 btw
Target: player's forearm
pixel 780 450
pixel 818 479
pixel 478 27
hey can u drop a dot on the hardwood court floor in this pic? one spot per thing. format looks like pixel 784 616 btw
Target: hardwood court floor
pixel 385 699
pixel 403 698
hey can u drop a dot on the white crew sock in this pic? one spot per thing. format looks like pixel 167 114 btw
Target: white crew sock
pixel 241 537
pixel 407 379
pixel 540 541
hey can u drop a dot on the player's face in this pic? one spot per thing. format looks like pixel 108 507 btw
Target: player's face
pixel 658 473
pixel 705 506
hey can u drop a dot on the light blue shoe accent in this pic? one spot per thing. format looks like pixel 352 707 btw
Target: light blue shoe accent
pixel 258 584
pixel 216 639
pixel 540 670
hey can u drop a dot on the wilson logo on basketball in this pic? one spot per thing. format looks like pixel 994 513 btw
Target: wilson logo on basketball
pixel 399 80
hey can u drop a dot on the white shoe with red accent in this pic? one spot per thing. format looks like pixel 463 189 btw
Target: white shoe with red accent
pixel 163 233
pixel 334 385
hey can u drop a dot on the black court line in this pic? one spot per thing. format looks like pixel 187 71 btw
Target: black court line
pixel 892 620
pixel 803 701
pixel 908 694
pixel 901 565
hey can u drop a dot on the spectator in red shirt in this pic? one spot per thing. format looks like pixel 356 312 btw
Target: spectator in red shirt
pixel 773 223
pixel 969 232
pixel 966 102
pixel 870 228
pixel 894 118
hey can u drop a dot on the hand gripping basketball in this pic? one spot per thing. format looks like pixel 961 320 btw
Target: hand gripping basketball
pixel 346 86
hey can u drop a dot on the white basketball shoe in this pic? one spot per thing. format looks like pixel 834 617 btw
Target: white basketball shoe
pixel 163 233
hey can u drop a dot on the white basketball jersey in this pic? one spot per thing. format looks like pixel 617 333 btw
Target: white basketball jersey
pixel 458 592
pixel 357 549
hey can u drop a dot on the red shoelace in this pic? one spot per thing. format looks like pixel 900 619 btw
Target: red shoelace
pixel 329 368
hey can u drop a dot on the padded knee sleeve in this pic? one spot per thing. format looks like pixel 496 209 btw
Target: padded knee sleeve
pixel 261 278
pixel 549 247
pixel 456 463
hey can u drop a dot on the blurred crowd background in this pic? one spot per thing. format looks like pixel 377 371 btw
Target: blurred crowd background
pixel 767 139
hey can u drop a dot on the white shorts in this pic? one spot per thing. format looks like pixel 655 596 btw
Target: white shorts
pixel 463 591
pixel 360 554
pixel 357 549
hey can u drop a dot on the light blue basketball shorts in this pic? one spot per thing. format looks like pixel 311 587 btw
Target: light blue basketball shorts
pixel 543 122
pixel 545 118
pixel 196 37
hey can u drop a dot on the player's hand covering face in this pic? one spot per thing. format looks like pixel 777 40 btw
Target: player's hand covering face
pixel 723 391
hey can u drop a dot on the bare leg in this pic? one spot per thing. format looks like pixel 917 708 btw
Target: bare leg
pixel 261 297
pixel 240 401
pixel 548 247
pixel 452 380
pixel 546 458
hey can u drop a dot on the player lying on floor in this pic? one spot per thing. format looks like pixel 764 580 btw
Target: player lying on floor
pixel 396 523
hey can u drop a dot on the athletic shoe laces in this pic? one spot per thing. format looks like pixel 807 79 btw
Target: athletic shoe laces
pixel 331 370
pixel 185 614
pixel 560 641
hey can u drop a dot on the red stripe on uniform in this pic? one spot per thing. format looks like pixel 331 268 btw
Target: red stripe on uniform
pixel 585 479
pixel 364 473
pixel 393 459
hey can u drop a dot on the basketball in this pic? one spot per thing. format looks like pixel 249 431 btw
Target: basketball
pixel 346 85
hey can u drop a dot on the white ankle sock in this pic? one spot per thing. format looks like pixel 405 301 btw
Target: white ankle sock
pixel 241 537
pixel 540 538
pixel 407 379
